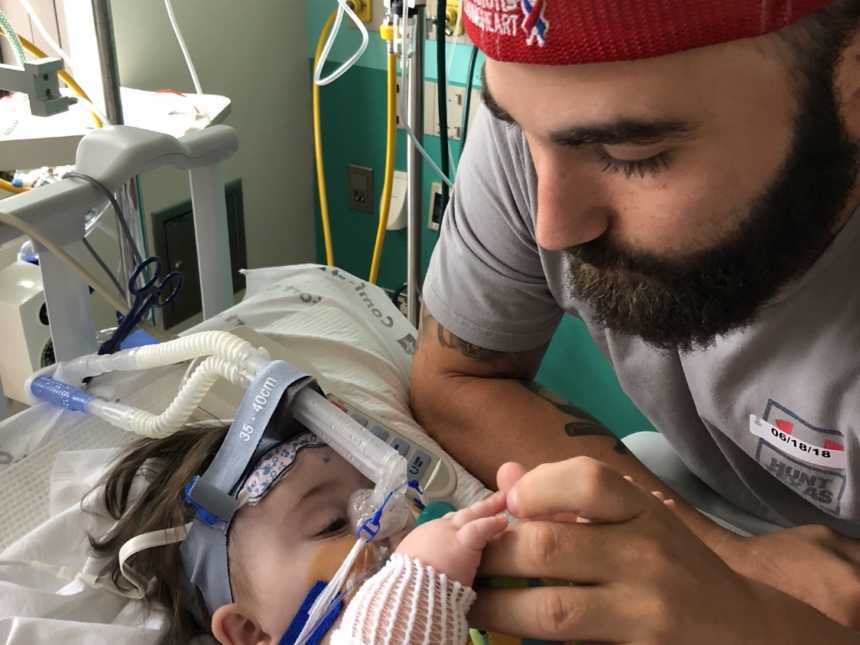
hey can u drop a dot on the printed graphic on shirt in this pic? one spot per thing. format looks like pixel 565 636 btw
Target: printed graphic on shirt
pixel 785 437
pixel 807 459
pixel 823 488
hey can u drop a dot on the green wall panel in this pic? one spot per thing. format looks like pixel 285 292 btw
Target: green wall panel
pixel 575 368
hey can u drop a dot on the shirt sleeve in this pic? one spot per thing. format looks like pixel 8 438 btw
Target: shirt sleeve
pixel 406 603
pixel 486 282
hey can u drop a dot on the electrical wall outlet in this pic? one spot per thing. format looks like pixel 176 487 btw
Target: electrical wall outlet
pixel 360 187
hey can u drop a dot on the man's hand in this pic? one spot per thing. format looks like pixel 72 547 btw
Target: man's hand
pixel 811 563
pixel 635 573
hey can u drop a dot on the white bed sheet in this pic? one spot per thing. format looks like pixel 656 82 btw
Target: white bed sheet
pixel 335 326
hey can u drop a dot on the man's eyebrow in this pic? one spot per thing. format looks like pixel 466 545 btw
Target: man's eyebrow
pixel 624 132
pixel 621 131
pixel 495 109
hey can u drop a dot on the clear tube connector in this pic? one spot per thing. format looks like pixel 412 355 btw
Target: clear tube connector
pixel 371 456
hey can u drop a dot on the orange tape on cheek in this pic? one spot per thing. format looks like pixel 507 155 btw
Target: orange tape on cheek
pixel 328 558
pixel 331 555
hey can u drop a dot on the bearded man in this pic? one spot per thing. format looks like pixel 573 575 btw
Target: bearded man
pixel 681 175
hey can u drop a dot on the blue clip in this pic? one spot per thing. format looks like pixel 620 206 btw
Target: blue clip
pixel 368 526
pixel 418 501
pixel 375 519
pixel 202 514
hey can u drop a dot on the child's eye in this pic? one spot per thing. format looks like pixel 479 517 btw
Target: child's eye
pixel 336 526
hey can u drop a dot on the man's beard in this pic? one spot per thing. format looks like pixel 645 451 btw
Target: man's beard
pixel 683 304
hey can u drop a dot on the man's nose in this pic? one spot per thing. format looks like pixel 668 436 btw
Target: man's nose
pixel 571 210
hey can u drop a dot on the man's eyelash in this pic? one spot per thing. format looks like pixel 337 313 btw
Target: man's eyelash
pixel 639 168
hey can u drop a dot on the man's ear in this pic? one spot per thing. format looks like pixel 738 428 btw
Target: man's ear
pixel 232 626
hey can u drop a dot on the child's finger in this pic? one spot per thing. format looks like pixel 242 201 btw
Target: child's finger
pixel 477 533
pixel 492 505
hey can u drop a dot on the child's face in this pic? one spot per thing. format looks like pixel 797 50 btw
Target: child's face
pixel 298 534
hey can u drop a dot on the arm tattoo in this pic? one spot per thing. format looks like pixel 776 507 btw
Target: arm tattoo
pixel 581 424
pixel 449 340
pixel 495 364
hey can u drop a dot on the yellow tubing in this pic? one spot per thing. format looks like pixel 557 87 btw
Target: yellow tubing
pixel 385 204
pixel 9 187
pixel 318 150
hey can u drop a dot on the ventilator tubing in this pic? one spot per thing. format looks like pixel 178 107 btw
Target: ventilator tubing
pixel 221 344
pixel 229 357
pixel 190 395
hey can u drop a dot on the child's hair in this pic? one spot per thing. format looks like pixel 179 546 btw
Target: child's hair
pixel 166 465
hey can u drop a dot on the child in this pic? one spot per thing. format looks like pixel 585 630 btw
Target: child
pixel 293 530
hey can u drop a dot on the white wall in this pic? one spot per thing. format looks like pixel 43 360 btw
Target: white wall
pixel 255 52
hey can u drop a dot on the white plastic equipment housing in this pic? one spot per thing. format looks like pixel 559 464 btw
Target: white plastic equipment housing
pixel 113 156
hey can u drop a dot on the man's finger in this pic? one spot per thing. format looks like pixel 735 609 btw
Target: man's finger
pixel 580 485
pixel 509 474
pixel 579 553
pixel 555 614
pixel 477 533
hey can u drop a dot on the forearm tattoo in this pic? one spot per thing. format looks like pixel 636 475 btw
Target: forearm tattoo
pixel 581 424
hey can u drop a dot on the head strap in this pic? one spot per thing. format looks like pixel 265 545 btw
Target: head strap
pixel 261 423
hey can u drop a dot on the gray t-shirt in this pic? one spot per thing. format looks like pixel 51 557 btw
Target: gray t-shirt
pixel 769 416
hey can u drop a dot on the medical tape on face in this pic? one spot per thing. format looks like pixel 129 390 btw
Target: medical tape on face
pixel 214 494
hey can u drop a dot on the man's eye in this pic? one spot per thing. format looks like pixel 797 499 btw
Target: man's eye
pixel 635 168
pixel 336 526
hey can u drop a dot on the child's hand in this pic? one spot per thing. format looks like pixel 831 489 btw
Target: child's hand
pixel 453 544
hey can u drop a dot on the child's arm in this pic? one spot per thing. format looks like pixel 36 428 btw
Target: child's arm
pixel 423 593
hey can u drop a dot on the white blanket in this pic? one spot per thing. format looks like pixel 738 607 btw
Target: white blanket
pixel 337 327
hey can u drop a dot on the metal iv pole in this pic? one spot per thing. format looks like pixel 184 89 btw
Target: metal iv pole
pixel 415 119
pixel 103 20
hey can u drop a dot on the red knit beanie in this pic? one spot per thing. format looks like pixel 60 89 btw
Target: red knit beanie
pixel 569 32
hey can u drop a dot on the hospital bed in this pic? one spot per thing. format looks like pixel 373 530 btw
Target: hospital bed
pixel 344 331
pixel 327 322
